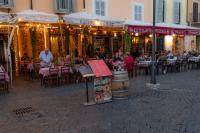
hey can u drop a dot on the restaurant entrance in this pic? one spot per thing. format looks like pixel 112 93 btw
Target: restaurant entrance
pixel 102 42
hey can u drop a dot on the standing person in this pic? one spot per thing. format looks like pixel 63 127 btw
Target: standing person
pixel 102 54
pixel 46 58
pixel 129 62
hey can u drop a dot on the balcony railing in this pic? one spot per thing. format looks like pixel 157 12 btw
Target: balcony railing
pixel 6 3
pixel 63 6
pixel 192 18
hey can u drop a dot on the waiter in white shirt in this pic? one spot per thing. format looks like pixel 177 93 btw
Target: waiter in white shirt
pixel 46 58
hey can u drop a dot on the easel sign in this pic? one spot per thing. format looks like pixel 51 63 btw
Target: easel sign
pixel 102 81
pixel 86 73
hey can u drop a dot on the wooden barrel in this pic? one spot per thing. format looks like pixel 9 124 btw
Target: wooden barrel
pixel 120 85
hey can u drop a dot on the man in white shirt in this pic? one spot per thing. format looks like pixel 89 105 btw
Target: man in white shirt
pixel 46 57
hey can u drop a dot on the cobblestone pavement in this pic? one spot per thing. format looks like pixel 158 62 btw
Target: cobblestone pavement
pixel 173 108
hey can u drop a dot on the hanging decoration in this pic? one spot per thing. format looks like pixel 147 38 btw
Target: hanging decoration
pixel 33 36
pixel 127 39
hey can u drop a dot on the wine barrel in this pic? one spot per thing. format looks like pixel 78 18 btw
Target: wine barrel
pixel 120 85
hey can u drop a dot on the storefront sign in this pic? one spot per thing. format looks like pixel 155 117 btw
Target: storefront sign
pixel 163 30
pixel 140 29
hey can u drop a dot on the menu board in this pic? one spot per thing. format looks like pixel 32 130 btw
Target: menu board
pixel 102 87
pixel 86 71
pixel 99 68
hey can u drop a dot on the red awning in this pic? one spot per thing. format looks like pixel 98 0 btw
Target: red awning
pixel 163 30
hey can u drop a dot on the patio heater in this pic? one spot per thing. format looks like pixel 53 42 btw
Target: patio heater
pixel 153 67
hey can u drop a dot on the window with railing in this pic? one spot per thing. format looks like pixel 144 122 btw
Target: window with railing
pixel 63 5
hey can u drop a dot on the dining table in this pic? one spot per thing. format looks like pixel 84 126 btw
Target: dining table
pixel 194 59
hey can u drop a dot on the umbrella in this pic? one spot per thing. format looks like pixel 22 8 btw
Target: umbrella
pixel 91 19
pixel 36 16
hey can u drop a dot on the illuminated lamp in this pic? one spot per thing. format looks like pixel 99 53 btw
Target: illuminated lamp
pixel 115 34
pixel 136 34
pixel 97 23
pixel 19 19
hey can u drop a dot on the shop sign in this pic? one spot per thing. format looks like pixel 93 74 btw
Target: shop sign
pixel 194 32
pixel 140 29
pixel 162 30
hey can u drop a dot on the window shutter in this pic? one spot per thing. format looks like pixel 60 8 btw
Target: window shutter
pixel 176 12
pixel 102 8
pixel 160 11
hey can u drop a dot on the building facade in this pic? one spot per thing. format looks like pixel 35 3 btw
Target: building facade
pixel 137 14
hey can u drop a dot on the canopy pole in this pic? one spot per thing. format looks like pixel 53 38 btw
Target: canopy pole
pixel 9 55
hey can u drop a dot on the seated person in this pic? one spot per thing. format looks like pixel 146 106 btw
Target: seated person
pixel 170 55
pixel 46 58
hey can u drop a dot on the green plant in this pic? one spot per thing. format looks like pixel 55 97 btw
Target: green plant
pixel 33 35
pixel 127 39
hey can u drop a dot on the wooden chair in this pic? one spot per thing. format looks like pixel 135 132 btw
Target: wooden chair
pixel 65 73
pixel 53 78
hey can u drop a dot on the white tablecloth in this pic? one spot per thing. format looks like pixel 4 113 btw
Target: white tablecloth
pixel 194 59
pixel 171 61
pixel 144 63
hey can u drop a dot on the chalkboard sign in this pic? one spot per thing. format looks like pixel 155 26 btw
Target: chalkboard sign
pixel 86 71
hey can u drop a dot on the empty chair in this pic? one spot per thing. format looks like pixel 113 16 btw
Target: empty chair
pixel 53 78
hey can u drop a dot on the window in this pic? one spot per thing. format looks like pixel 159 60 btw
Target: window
pixel 138 12
pixel 177 11
pixel 100 7
pixel 195 12
pixel 64 5
pixel 160 11
pixel 4 2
